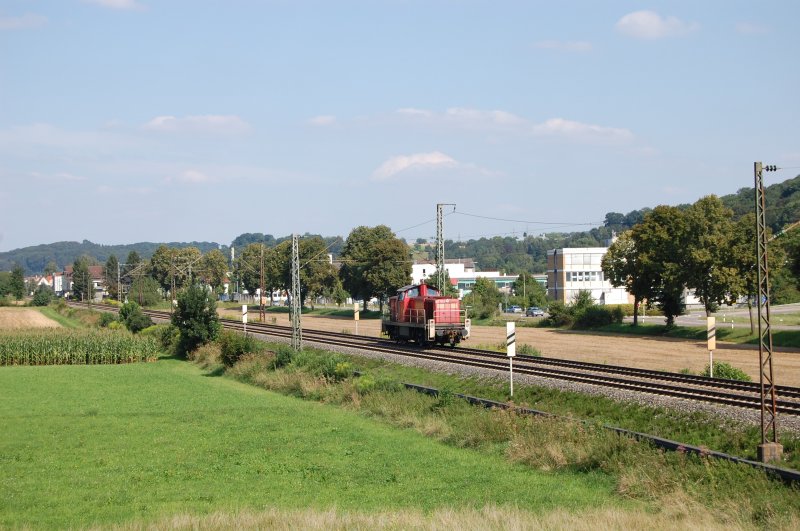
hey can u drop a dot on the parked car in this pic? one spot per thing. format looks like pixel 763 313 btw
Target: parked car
pixel 514 309
pixel 534 312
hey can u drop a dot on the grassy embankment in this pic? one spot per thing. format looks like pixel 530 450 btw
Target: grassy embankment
pixel 737 495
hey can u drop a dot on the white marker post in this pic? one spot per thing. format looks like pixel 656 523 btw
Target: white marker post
pixel 244 318
pixel 712 345
pixel 511 351
pixel 355 315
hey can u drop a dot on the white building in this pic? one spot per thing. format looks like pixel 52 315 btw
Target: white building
pixel 578 269
pixel 455 267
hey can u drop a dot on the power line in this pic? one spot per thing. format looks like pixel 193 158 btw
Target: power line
pixel 559 224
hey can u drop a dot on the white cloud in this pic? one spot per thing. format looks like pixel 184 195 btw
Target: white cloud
pixel 209 123
pixel 116 4
pixel 20 138
pixel 581 131
pixel 411 111
pixel 322 120
pixel 503 121
pixel 192 177
pixel 26 21
pixel 417 161
pixel 61 176
pixel 123 191
pixel 650 25
pixel 565 46
pixel 464 118
pixel 475 116
pixel 749 28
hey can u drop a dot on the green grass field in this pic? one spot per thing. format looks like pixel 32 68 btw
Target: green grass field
pixel 113 444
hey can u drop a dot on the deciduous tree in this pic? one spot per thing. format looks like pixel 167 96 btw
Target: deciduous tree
pixel 110 271
pixel 18 282
pixel 374 263
pixel 82 284
pixel 622 266
pixel 213 268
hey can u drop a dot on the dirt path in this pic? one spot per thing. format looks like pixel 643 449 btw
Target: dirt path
pixel 644 352
pixel 21 318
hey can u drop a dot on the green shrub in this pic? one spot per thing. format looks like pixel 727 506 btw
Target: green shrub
pixel 727 371
pixel 559 314
pixel 365 384
pixel 116 325
pixel 42 296
pixel 527 350
pixel 596 315
pixel 167 336
pixel 342 371
pixel 130 314
pixel 445 398
pixel 284 355
pixel 234 345
pixel 106 318
pixel 196 318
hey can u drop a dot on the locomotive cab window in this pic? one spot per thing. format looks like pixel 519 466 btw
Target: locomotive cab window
pixel 432 292
pixel 414 292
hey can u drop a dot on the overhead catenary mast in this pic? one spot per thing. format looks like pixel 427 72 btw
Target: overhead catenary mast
pixel 440 245
pixel 296 308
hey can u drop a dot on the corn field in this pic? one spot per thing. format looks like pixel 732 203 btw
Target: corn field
pixel 74 347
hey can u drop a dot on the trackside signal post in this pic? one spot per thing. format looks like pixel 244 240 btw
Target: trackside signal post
pixel 769 449
pixel 355 315
pixel 244 318
pixel 511 351
pixel 712 344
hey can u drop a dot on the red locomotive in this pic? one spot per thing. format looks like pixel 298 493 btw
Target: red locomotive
pixel 422 314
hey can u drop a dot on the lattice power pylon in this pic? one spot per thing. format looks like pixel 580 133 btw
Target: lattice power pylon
pixel 440 245
pixel 296 308
pixel 769 449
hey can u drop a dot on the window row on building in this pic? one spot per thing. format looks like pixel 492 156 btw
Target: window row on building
pixel 584 276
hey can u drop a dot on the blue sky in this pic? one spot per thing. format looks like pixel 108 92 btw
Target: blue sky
pixel 145 120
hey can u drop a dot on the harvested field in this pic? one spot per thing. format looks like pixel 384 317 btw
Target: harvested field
pixel 24 318
pixel 655 353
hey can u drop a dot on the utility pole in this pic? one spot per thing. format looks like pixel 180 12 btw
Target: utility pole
pixel 296 308
pixel 440 245
pixel 172 296
pixel 769 449
pixel 262 312
pixel 119 283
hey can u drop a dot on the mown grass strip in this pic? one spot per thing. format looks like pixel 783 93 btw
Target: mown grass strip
pixel 63 320
pixel 105 445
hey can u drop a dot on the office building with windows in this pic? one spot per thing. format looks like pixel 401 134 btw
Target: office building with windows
pixel 578 269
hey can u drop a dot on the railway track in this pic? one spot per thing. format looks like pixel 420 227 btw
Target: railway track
pixel 684 386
